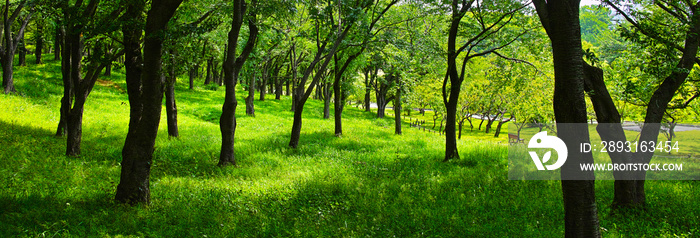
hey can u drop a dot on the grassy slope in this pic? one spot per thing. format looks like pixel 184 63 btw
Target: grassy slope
pixel 367 183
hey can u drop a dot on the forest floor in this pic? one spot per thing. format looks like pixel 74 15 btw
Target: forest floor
pixel 367 183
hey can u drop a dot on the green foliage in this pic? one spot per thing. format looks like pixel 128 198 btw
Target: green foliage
pixel 367 183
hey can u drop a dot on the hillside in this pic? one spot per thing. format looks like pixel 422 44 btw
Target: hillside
pixel 370 182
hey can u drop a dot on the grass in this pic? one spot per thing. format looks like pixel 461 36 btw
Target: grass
pixel 368 183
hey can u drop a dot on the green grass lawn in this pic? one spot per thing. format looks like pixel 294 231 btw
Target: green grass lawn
pixel 368 183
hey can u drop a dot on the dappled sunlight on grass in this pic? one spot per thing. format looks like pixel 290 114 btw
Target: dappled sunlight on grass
pixel 368 182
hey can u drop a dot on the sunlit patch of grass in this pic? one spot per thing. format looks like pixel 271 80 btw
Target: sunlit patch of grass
pixel 369 182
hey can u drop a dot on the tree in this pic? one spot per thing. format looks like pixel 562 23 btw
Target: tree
pixel 336 33
pixel 489 19
pixel 560 20
pixel 680 49
pixel 145 88
pixel 343 61
pixel 251 86
pixel 10 44
pixel 232 67
pixel 39 39
pixel 77 88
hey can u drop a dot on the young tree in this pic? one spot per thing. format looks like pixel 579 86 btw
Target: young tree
pixel 489 19
pixel 343 61
pixel 336 33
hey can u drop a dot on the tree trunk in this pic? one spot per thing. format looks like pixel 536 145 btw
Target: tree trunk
pixel 450 130
pixel 296 128
pixel 215 72
pixel 327 93
pixel 302 94
pixel 610 129
pixel 491 120
pixel 461 124
pixel 232 67
pixel 75 127
pixel 67 87
pixel 39 44
pixel 482 121
pixel 278 84
pixel 368 90
pixel 22 52
pixel 74 114
pixel 500 125
pixel 287 90
pixel 192 74
pixel 263 84
pixel 7 50
pixel 171 107
pixel 221 73
pixel 561 22
pixel 140 141
pixel 250 99
pixel 58 42
pixel 397 112
pixel 210 67
pixel 338 104
pixel 7 67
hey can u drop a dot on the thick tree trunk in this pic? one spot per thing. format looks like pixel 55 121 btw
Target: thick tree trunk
pixel 381 105
pixel 74 107
pixel 75 128
pixel 561 21
pixel 7 74
pixel 140 141
pixel 72 118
